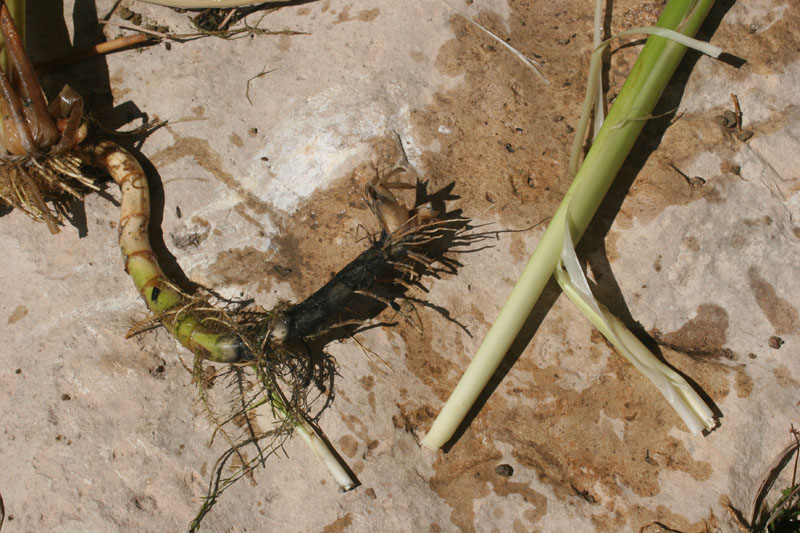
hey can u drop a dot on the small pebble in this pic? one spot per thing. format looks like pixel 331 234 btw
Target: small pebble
pixel 504 470
pixel 775 342
pixel 727 119
pixel 283 271
pixel 696 181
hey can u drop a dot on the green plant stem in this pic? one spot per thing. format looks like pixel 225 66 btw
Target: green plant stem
pixel 313 438
pixel 599 100
pixel 645 83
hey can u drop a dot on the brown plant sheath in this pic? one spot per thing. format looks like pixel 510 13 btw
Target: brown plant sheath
pixel 17 136
pixel 169 305
pixel 42 128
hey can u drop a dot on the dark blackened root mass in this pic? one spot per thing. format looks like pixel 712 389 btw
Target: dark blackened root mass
pixel 284 359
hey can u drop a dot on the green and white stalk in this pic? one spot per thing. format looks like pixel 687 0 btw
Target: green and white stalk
pixel 324 452
pixel 626 118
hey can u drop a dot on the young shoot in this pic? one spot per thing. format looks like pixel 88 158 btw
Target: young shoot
pixel 637 99
pixel 679 394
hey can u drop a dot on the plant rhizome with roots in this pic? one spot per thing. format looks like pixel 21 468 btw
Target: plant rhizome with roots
pixel 268 360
